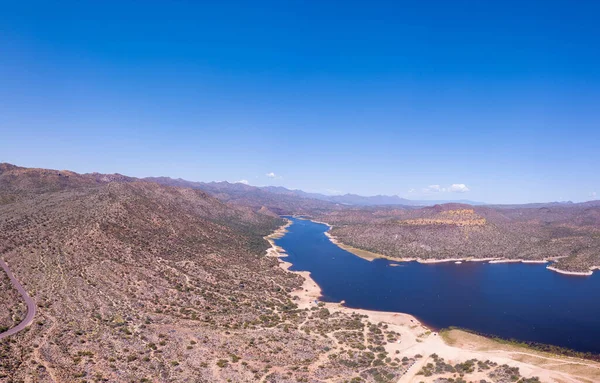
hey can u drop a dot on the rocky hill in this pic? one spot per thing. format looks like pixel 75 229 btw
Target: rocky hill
pixel 140 282
pixel 568 233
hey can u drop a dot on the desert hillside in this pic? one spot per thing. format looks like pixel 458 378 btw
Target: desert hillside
pixel 131 278
pixel 138 282
pixel 569 234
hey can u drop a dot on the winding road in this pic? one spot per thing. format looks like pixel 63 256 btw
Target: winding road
pixel 28 301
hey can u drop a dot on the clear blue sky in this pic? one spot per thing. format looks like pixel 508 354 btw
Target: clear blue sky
pixel 364 97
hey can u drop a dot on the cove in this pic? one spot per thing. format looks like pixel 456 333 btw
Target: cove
pixel 510 300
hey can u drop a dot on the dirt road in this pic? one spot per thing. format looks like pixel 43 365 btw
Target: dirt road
pixel 28 301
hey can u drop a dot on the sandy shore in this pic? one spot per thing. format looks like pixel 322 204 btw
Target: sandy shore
pixel 311 291
pixel 456 347
pixel 278 233
pixel 578 273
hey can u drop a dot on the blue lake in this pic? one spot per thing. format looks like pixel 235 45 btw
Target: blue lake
pixel 521 301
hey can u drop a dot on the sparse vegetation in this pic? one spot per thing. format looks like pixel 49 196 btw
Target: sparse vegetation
pixel 134 279
pixel 568 233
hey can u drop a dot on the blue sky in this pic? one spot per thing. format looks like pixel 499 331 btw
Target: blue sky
pixel 362 97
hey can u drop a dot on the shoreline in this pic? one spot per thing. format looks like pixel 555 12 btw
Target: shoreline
pixel 575 273
pixel 311 291
pixel 370 256
pixel 418 338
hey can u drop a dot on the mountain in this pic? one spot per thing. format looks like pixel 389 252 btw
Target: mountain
pixel 252 196
pixel 358 200
pixel 346 199
pixel 381 200
pixel 285 201
pixel 127 274
pixel 135 281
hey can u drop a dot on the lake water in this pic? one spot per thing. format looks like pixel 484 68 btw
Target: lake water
pixel 521 301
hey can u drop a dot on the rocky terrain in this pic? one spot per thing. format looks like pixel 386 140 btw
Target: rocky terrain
pixel 569 234
pixel 132 279
pixel 140 282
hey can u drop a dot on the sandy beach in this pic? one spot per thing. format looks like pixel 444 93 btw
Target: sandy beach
pixel 577 273
pixel 455 346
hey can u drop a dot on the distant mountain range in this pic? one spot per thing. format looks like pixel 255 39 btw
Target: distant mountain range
pixel 252 196
pixel 281 200
pixel 229 191
pixel 355 199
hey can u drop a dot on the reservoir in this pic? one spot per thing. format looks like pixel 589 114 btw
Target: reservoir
pixel 511 300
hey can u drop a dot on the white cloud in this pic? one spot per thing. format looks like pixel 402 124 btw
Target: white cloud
pixel 458 188
pixel 454 188
pixel 245 182
pixel 271 175
pixel 434 189
pixel 411 190
pixel 593 194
